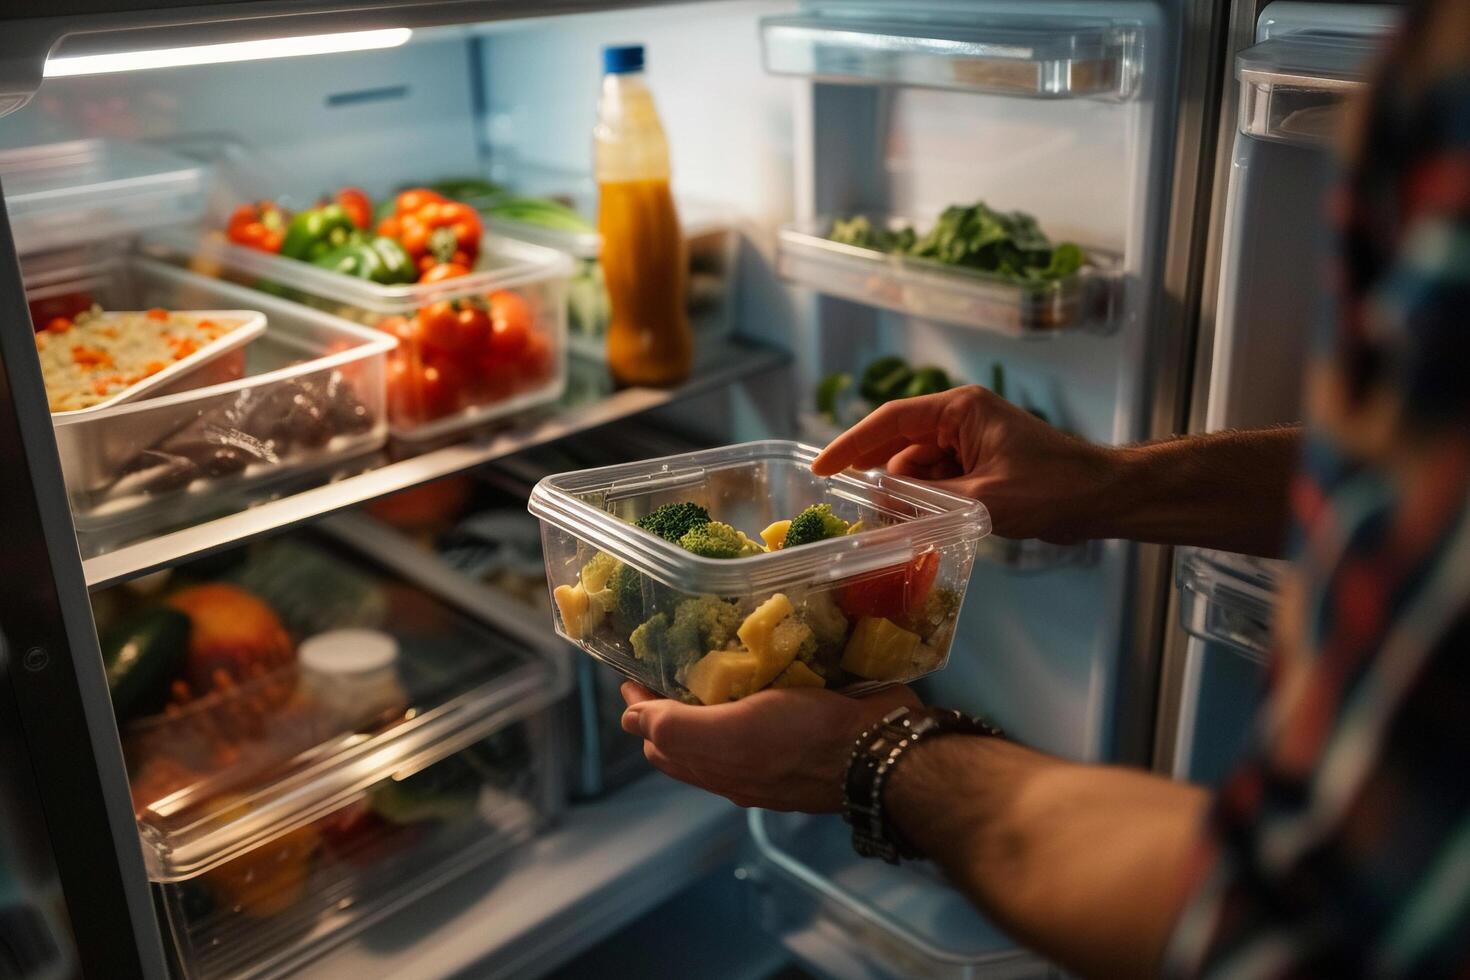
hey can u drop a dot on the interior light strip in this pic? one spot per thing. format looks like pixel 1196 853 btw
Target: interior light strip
pixel 215 54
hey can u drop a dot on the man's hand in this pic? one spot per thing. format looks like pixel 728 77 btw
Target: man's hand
pixel 777 749
pixel 1036 481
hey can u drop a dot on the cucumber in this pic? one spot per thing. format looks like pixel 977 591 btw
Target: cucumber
pixel 142 655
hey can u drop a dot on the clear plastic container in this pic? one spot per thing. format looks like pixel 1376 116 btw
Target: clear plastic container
pixel 65 194
pixel 421 406
pixel 1228 598
pixel 1293 88
pixel 860 611
pixel 274 828
pixel 926 289
pixel 844 915
pixel 310 393
pixel 1049 57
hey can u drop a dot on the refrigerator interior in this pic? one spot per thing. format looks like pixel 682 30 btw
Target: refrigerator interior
pixel 1091 159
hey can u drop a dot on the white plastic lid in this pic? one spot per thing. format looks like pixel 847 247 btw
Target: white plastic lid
pixel 348 651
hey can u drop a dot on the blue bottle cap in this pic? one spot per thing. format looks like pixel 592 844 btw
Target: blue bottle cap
pixel 621 58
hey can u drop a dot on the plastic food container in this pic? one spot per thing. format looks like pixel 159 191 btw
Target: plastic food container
pixel 311 394
pixel 272 827
pixel 530 278
pixel 933 291
pixel 1228 598
pixel 65 194
pixel 859 611
pixel 843 915
pixel 194 371
pixel 1293 88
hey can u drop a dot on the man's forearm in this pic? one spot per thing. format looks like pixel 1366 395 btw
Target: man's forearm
pixel 1227 490
pixel 1049 848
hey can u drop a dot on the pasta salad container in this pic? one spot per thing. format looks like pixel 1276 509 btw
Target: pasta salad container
pixel 711 575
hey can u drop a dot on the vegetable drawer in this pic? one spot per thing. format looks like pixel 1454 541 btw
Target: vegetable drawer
pixel 847 916
pixel 315 738
pixel 715 616
pixel 310 394
pixel 432 392
pixel 952 294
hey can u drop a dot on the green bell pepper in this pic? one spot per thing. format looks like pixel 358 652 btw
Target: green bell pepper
pixel 142 656
pixel 318 231
pixel 381 260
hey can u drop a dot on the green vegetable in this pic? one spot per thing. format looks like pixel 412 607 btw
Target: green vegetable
pixel 829 389
pixel 314 233
pixel 829 628
pixel 885 379
pixel 860 232
pixel 632 596
pixel 717 540
pixel 927 381
pixel 467 189
pixel 700 624
pixel 381 260
pixel 648 640
pixel 672 521
pixel 539 211
pixel 143 655
pixel 816 523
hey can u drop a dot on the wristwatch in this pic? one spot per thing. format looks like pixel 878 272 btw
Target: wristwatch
pixel 875 755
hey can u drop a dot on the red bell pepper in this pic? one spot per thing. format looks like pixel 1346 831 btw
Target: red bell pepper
pixel 261 225
pixel 433 230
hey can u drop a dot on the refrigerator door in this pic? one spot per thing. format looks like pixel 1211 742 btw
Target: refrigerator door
pixel 1308 59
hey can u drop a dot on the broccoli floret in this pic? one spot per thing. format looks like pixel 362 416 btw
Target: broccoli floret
pixel 649 638
pixel 820 611
pixel 816 523
pixel 672 521
pixel 712 619
pixel 596 572
pixel 934 620
pixel 627 588
pixel 717 540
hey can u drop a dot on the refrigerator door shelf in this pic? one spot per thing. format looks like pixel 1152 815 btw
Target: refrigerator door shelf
pixel 1088 299
pixel 1228 598
pixel 843 915
pixel 65 194
pixel 1293 88
pixel 1035 57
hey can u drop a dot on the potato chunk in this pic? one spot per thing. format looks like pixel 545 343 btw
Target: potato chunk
pixel 775 535
pixel 571 602
pixel 722 675
pixel 798 674
pixel 880 650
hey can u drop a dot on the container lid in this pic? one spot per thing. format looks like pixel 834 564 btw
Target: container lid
pixel 920 518
pixel 246 762
pixel 923 925
pixel 348 652
pixel 622 58
pixel 64 194
pixel 504 264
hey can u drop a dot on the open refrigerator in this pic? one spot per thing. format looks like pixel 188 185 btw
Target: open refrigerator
pixel 1176 141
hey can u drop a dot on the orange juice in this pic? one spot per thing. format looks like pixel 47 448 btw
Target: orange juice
pixel 644 263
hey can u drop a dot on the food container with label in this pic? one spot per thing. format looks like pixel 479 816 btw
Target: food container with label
pixel 870 597
pixel 445 375
pixel 308 394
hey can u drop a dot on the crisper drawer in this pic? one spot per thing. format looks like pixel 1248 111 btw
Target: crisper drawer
pixel 850 917
pixel 307 394
pixel 317 734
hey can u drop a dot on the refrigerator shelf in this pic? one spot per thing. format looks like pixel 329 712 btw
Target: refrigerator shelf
pixel 590 402
pixel 62 195
pixel 1293 88
pixel 1028 56
pixel 843 915
pixel 283 813
pixel 1228 598
pixel 931 291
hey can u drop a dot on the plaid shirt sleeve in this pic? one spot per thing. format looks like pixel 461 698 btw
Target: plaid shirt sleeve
pixel 1340 847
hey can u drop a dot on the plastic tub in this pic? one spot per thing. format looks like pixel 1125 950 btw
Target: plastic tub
pixel 1228 598
pixel 843 915
pixel 922 288
pixel 83 191
pixel 273 826
pixel 418 408
pixel 165 459
pixel 881 605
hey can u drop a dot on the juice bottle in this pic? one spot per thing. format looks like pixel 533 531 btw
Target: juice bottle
pixel 643 252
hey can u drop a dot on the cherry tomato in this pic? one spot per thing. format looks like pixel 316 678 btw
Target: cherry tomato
pixel 405 389
pixel 536 359
pixel 440 326
pixel 510 324
pixel 443 387
pixel 58 324
pixel 474 328
pixel 414 198
pixel 891 594
pixel 357 204
pixel 444 270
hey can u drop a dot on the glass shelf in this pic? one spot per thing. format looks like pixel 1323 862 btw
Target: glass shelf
pixel 1228 598
pixel 931 291
pixel 1027 56
pixel 1293 88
